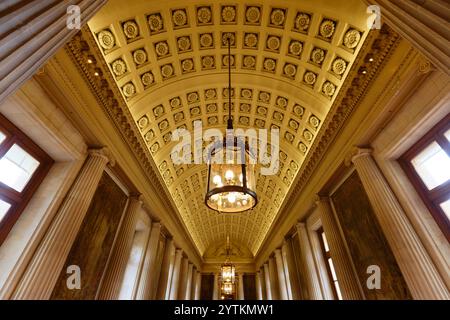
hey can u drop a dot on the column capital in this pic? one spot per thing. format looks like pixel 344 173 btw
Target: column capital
pixel 300 225
pixel 104 153
pixel 320 198
pixel 137 197
pixel 355 153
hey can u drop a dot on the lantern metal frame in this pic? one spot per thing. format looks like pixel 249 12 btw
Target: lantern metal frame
pixel 234 145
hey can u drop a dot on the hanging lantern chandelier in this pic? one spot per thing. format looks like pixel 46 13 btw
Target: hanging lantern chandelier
pixel 231 181
pixel 227 274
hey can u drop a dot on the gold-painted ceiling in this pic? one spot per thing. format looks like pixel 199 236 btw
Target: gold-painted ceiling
pixel 289 60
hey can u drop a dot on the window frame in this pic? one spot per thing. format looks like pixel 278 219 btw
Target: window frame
pixel 432 198
pixel 19 200
pixel 327 255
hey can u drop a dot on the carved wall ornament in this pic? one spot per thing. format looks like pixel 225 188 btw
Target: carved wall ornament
pixel 228 14
pixel 277 17
pixel 167 71
pixel 206 40
pixel 147 79
pixel 269 65
pixel 309 78
pixel 179 18
pixel 208 62
pixel 187 65
pixel 249 62
pixel 184 44
pixel 273 43
pixel 251 40
pixel 318 55
pixel 129 90
pixel 139 56
pixel 295 48
pixel 327 28
pixel 162 49
pixel 339 66
pixel 119 67
pixel 328 88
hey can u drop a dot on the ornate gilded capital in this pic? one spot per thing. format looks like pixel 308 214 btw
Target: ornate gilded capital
pixel 103 152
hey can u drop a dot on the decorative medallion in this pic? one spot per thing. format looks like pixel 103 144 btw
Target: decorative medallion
pixel 294 125
pixel 251 40
pixel 289 137
pixel 244 121
pixel 147 79
pixel 129 90
pixel 106 39
pixel 253 15
pixel 204 16
pixel 277 17
pixel 163 125
pixel 328 88
pixel 139 56
pixel 277 116
pixel 290 70
pixel 143 122
pixel 167 71
pixel 228 36
pixel 187 65
pixel 308 135
pixel 318 55
pixel 249 62
pixel 179 116
pixel 262 111
pixel 269 65
pixel 245 108
pixel 130 29
pixel 226 60
pixel 302 22
pixel 246 94
pixel 326 29
pixel 302 147
pixel 155 23
pixel 281 102
pixel 228 14
pixel 179 18
pixel 298 110
pixel 206 40
pixel 264 96
pixel 119 67
pixel 193 97
pixel 208 62
pixel 195 111
pixel 295 48
pixel 339 66
pixel 273 43
pixel 211 108
pixel 161 49
pixel 351 38
pixel 309 77
pixel 210 94
pixel 314 121
pixel 175 102
pixel 158 111
pixel 212 120
pixel 184 44
pixel 149 136
pixel 154 148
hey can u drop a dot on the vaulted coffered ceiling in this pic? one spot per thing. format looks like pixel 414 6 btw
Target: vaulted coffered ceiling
pixel 289 60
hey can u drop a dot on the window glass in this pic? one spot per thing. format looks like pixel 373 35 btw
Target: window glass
pixel 16 168
pixel 325 243
pixel 2 137
pixel 4 207
pixel 432 165
pixel 445 206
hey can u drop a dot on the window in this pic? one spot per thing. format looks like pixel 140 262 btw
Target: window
pixel 329 263
pixel 23 165
pixel 427 165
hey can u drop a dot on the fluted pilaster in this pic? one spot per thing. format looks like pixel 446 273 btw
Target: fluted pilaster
pixel 166 271
pixel 258 279
pixel 310 270
pixel 117 265
pixel 187 295
pixel 348 282
pixel 176 275
pixel 147 281
pixel 267 282
pixel 273 276
pixel 45 267
pixel 417 268
pixel 281 275
pixel 198 285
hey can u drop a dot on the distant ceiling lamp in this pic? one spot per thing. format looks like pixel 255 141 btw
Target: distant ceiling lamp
pixel 227 274
pixel 231 175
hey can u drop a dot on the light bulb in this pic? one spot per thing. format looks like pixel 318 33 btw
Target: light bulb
pixel 229 175
pixel 217 180
pixel 241 178
pixel 244 202
pixel 231 198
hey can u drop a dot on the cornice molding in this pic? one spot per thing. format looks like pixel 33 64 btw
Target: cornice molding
pixel 83 51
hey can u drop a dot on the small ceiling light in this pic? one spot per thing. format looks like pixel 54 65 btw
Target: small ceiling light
pixel 89 60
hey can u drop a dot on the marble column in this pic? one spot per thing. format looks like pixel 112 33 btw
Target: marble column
pixel 183 278
pixel 198 285
pixel 258 278
pixel 176 275
pixel 309 269
pixel 281 275
pixel 43 271
pixel 216 287
pixel 112 281
pixel 423 23
pixel 285 255
pixel 147 281
pixel 240 286
pixel 263 283
pixel 421 275
pixel 187 296
pixel 31 32
pixel 267 282
pixel 166 271
pixel 348 282
pixel 273 276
